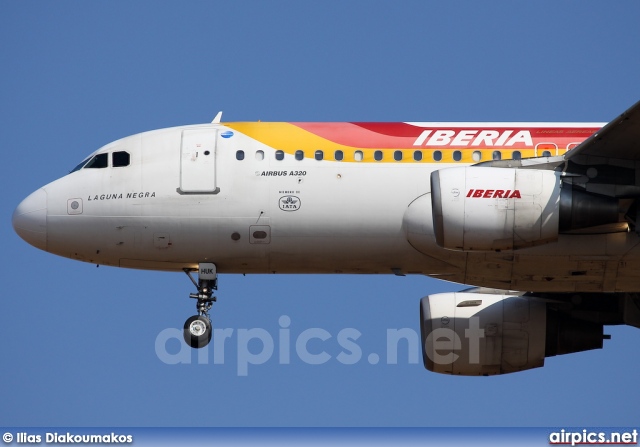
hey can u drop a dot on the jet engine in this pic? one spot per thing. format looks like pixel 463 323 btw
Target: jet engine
pixel 476 334
pixel 490 209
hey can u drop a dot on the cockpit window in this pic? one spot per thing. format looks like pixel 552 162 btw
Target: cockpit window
pixel 121 159
pixel 80 165
pixel 118 160
pixel 98 161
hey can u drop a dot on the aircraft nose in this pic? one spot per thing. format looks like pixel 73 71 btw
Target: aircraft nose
pixel 30 219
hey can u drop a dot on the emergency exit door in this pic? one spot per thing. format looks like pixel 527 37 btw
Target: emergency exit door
pixel 198 161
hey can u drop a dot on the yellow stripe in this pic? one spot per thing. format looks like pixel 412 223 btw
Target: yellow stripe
pixel 290 138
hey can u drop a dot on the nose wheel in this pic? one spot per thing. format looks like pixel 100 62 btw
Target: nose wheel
pixel 197 329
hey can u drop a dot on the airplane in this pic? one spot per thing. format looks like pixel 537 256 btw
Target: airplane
pixel 540 218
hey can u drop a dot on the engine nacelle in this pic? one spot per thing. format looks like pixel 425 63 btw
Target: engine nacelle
pixel 483 208
pixel 485 334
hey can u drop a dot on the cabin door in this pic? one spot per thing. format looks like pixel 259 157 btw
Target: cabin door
pixel 198 161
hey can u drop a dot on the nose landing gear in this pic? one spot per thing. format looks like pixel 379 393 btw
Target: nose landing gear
pixel 197 329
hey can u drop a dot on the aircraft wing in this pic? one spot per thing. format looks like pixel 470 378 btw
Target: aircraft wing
pixel 620 139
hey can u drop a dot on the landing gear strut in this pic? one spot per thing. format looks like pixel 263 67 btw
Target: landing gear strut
pixel 197 329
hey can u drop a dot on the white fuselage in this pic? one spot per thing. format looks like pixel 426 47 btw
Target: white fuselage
pixel 171 207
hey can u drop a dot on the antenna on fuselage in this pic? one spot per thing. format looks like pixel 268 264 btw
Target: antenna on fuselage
pixel 217 119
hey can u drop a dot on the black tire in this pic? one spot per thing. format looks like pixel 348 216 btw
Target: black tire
pixel 197 331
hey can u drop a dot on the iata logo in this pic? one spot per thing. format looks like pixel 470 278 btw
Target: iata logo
pixel 494 194
pixel 289 203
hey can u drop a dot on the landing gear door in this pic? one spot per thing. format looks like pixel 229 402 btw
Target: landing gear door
pixel 198 162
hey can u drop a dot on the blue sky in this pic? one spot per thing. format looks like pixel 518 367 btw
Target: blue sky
pixel 78 342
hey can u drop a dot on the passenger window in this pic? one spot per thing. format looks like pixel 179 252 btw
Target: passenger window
pixel 477 156
pixel 358 156
pixel 120 159
pixel 239 155
pixel 397 155
pixel 497 155
pixel 417 155
pixel 516 155
pixel 259 155
pixel 457 155
pixel 299 155
pixel 99 161
pixel 319 155
pixel 339 155
pixel 377 155
pixel 546 154
pixel 279 155
pixel 437 155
